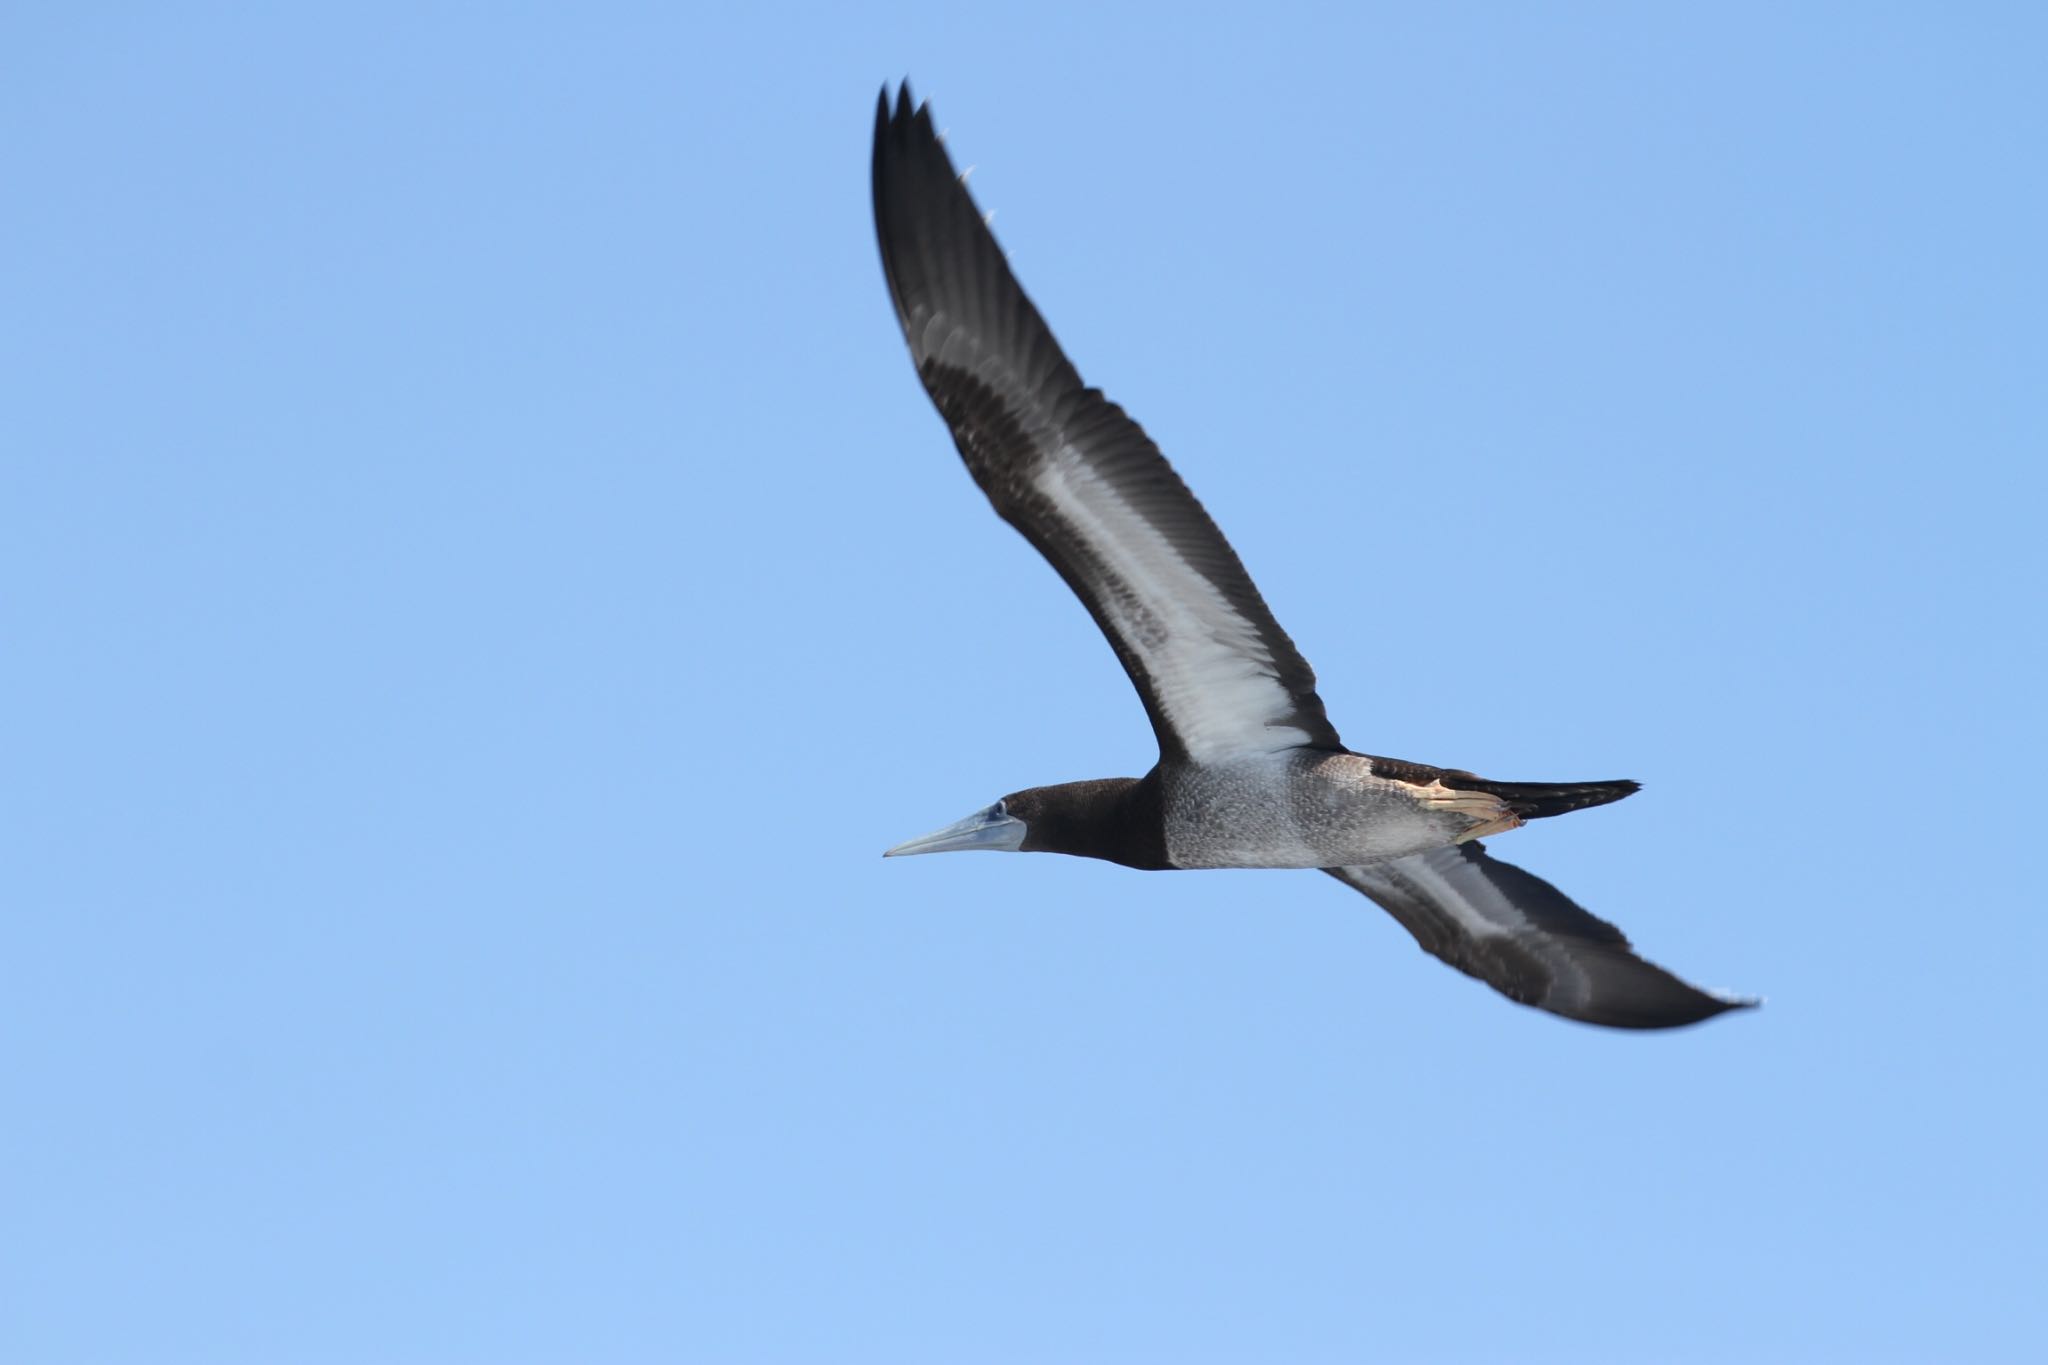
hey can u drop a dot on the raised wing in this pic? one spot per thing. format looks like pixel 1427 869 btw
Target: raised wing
pixel 1084 484
pixel 1527 940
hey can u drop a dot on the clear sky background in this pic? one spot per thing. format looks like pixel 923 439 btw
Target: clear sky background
pixel 480 585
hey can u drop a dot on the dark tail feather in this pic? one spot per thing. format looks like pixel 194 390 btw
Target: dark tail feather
pixel 1538 800
pixel 1530 800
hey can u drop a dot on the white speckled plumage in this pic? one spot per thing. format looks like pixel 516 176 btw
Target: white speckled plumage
pixel 1307 809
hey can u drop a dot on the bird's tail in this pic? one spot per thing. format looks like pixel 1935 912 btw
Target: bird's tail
pixel 1538 800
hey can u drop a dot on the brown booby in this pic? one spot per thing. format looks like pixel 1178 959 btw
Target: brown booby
pixel 1251 772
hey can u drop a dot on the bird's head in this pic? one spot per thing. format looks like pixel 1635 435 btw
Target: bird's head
pixel 1105 818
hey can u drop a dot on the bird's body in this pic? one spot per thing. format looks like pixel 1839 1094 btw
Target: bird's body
pixel 1308 808
pixel 1251 773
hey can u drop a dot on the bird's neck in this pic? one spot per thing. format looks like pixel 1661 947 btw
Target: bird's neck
pixel 1117 819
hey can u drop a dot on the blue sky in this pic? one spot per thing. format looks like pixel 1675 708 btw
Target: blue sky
pixel 480 584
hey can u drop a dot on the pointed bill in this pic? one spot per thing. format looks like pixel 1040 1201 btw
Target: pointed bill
pixel 991 828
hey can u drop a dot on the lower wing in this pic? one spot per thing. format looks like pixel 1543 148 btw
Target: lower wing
pixel 1528 940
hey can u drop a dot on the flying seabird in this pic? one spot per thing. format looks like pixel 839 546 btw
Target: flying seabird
pixel 1251 772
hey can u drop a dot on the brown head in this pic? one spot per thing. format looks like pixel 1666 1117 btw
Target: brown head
pixel 1118 819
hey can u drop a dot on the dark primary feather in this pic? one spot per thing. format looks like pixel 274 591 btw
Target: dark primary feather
pixel 1013 401
pixel 1543 949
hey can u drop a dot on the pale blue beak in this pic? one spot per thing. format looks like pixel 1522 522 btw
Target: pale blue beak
pixel 993 828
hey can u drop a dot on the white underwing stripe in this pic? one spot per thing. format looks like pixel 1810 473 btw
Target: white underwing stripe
pixel 1496 918
pixel 1211 675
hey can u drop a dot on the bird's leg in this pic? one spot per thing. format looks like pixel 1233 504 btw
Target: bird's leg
pixel 1488 813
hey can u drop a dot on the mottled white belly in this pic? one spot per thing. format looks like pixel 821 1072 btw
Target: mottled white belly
pixel 1305 809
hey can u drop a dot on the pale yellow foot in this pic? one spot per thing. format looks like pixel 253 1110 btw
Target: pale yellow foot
pixel 1489 814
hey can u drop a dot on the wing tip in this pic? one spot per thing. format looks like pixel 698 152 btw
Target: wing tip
pixel 905 138
pixel 906 112
pixel 1699 1006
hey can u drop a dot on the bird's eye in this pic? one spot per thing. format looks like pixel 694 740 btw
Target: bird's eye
pixel 1001 808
